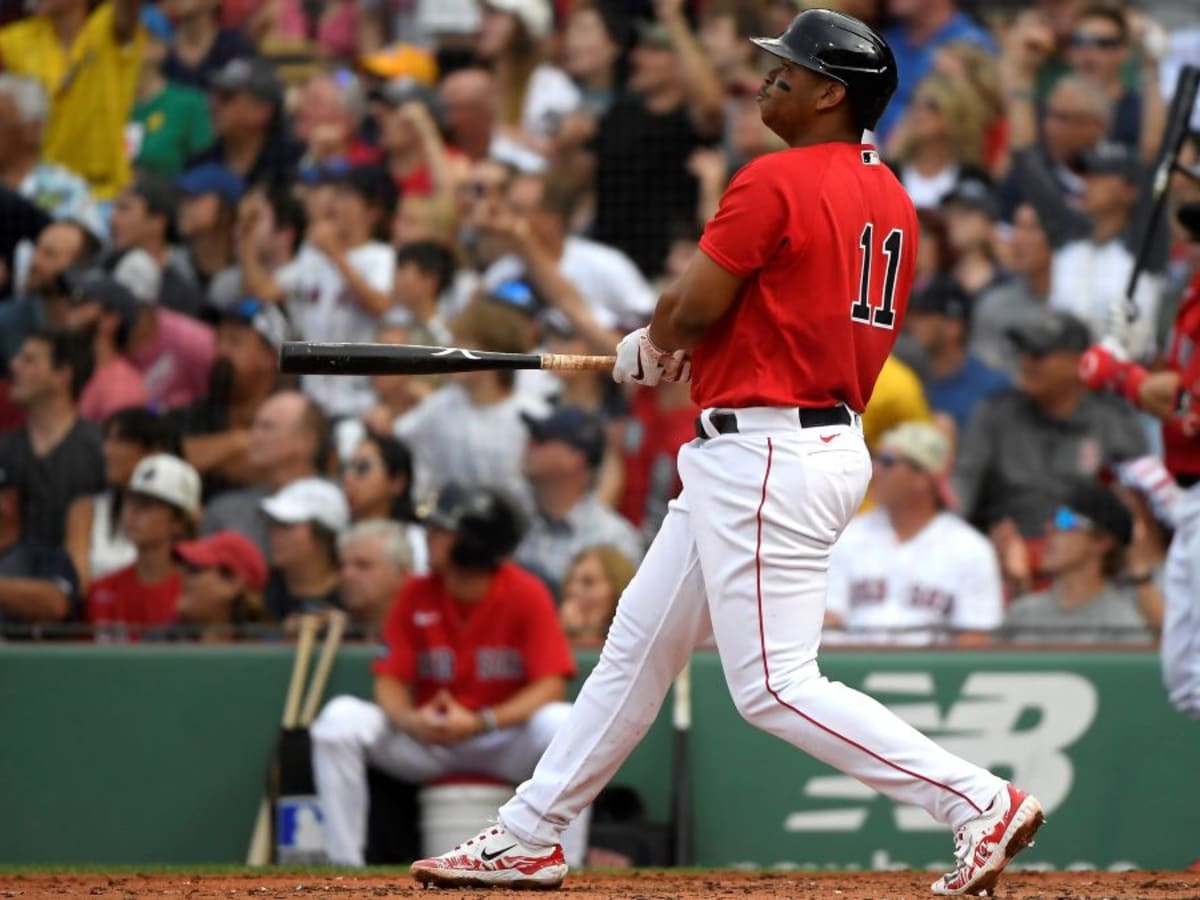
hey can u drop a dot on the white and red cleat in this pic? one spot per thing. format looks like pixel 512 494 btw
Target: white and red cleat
pixel 986 844
pixel 494 858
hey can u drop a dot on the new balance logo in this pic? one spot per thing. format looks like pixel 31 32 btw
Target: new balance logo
pixel 986 724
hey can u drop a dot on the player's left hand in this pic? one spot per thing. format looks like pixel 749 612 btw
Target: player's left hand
pixel 639 361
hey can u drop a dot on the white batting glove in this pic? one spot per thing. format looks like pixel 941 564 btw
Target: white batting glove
pixel 640 362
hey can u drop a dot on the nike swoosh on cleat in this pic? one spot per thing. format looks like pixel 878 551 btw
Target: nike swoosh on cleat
pixel 488 857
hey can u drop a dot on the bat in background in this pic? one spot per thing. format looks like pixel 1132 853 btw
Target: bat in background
pixel 681 784
pixel 314 358
pixel 1178 118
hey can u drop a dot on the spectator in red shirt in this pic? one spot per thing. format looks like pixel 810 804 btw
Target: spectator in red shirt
pixel 162 502
pixel 472 676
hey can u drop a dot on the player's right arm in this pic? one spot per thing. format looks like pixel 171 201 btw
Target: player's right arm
pixel 395 698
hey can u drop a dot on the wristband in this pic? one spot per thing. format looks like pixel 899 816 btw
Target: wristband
pixel 489 719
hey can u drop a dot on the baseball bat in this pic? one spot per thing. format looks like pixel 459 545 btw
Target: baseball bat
pixel 681 784
pixel 259 851
pixel 315 358
pixel 329 650
pixel 1178 123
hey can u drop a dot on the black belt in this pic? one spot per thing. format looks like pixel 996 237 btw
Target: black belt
pixel 816 417
pixel 1186 481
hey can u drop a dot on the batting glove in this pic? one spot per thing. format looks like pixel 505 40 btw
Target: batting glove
pixel 640 362
pixel 1105 367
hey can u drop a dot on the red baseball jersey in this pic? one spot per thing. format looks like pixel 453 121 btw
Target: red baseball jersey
pixel 1181 434
pixel 482 653
pixel 826 240
pixel 119 606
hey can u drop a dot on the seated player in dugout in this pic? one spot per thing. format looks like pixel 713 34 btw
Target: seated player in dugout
pixel 471 680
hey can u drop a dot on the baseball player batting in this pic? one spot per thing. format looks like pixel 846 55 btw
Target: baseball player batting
pixel 782 323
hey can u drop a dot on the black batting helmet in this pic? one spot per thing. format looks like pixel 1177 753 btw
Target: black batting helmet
pixel 842 48
pixel 487 525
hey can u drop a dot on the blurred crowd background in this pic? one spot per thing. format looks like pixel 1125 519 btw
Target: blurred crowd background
pixel 184 185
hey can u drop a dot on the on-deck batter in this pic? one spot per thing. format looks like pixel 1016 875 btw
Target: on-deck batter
pixel 784 319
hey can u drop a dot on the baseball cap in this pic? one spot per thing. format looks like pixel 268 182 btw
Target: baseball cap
pixel 924 446
pixel 140 275
pixel 169 479
pixel 309 500
pixel 573 426
pixel 211 178
pixel 251 75
pixel 1046 331
pixel 98 286
pixel 535 15
pixel 1104 509
pixel 269 321
pixel 226 550
pixel 941 296
pixel 401 61
pixel 156 23
pixel 1110 158
pixel 973 193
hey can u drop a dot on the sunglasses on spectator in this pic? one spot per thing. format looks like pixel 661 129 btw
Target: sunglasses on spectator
pixel 1074 116
pixel 888 460
pixel 1083 40
pixel 359 467
pixel 1066 519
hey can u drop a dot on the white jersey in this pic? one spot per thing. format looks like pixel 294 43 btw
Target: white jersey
pixel 322 308
pixel 943 579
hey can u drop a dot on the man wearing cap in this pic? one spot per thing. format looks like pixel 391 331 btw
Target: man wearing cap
pixel 1024 444
pixel 103 311
pixel 1089 534
pixel 909 571
pixel 38 583
pixel 87 61
pixel 472 676
pixel 409 115
pixel 251 140
pixel 304 520
pixel 223 575
pixel 162 503
pixel 55 456
pixel 208 207
pixel 375 559
pixel 561 461
pixel 286 442
pixel 141 220
pixel 173 352
pixel 1089 276
pixel 939 317
pixel 216 428
pixel 675 105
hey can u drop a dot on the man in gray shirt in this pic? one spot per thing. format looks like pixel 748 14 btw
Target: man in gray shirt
pixel 1085 553
pixel 564 452
pixel 1022 446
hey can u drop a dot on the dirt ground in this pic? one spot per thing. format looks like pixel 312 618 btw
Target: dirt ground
pixel 631 886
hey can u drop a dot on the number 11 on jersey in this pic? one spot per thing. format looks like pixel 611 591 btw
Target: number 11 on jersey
pixel 881 316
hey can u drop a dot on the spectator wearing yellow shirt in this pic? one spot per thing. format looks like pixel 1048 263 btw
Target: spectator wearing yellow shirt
pixel 898 397
pixel 88 65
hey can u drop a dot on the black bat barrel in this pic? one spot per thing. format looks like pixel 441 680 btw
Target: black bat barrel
pixel 313 358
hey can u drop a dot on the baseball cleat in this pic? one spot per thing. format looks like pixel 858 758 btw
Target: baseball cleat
pixel 494 858
pixel 987 843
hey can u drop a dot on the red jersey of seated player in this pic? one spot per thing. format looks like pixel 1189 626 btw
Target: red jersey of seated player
pixel 481 653
pixel 1181 433
pixel 826 240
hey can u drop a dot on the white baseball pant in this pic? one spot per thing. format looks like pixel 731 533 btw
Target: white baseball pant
pixel 742 556
pixel 1181 623
pixel 350 733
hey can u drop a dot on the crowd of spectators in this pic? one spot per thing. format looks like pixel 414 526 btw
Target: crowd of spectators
pixel 187 184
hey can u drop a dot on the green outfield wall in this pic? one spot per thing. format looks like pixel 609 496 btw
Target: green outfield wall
pixel 155 755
